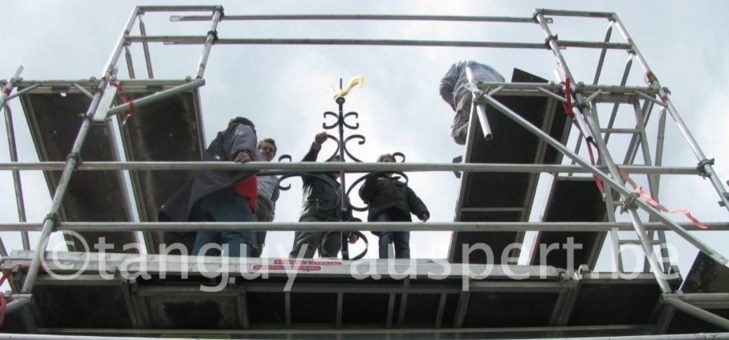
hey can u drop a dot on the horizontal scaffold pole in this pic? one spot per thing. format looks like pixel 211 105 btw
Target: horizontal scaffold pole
pixel 156 97
pixel 605 92
pixel 275 168
pixel 356 17
pixel 349 226
pixel 200 39
pixel 567 13
pixel 144 9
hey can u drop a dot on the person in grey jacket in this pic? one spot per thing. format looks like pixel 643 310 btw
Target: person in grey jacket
pixel 268 193
pixel 388 200
pixel 221 195
pixel 321 202
pixel 453 90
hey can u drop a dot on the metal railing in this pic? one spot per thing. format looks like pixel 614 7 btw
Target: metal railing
pixel 607 170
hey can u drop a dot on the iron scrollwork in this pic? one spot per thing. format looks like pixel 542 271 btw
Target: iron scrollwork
pixel 343 152
pixel 341 125
pixel 282 158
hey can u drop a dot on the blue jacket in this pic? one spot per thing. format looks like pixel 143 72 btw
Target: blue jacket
pixel 453 85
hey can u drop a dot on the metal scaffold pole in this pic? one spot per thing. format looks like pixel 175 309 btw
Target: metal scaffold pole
pixel 19 200
pixel 673 226
pixel 51 220
pixel 705 164
pixel 211 38
pixel 351 226
pixel 628 198
pixel 279 168
pixel 605 155
pixel 4 97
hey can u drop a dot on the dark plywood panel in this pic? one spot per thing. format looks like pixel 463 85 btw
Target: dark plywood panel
pixel 99 196
pixel 705 276
pixel 506 196
pixel 166 130
pixel 571 200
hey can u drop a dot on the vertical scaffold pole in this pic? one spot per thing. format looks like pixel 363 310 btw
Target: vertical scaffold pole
pixel 20 202
pixel 209 41
pixel 704 163
pixel 71 163
pixel 145 48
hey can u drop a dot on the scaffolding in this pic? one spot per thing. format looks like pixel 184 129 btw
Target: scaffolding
pixel 540 127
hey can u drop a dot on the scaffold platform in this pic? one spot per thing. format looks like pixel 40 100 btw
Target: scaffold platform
pixel 506 197
pixel 108 177
pixel 54 112
pixel 127 294
pixel 169 129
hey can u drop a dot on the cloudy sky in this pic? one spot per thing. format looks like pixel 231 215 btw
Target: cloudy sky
pixel 283 88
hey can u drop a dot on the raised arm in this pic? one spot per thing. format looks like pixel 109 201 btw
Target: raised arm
pixel 313 153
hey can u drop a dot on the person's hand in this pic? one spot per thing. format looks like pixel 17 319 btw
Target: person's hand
pixel 242 157
pixel 353 238
pixel 424 217
pixel 321 137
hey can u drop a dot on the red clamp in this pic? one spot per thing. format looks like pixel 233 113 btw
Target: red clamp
pixel 123 96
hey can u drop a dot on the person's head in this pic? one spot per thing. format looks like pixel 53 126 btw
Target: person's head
pixel 267 148
pixel 386 158
pixel 335 158
pixel 242 120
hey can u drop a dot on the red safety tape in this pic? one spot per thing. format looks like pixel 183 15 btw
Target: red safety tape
pixel 5 276
pixel 3 308
pixel 598 181
pixel 568 110
pixel 123 96
pixel 3 298
pixel 568 96
pixel 647 197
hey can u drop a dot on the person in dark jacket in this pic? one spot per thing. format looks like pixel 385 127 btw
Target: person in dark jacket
pixel 453 90
pixel 221 195
pixel 390 199
pixel 321 202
